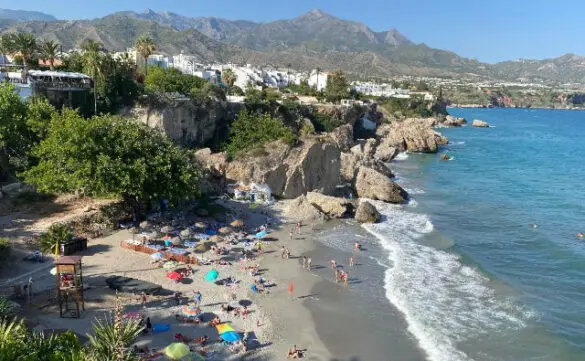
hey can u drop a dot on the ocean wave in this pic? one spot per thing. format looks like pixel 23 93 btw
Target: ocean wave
pixel 444 301
pixel 401 156
pixel 412 190
pixel 457 143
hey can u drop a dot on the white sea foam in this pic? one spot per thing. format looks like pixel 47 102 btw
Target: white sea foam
pixel 444 302
pixel 458 143
pixel 401 156
pixel 412 190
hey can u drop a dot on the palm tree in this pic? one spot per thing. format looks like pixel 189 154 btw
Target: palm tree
pixel 318 72
pixel 49 50
pixel 51 240
pixel 26 45
pixel 145 46
pixel 92 59
pixel 229 77
pixel 6 45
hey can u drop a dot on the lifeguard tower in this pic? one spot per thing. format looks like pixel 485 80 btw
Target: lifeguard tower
pixel 70 286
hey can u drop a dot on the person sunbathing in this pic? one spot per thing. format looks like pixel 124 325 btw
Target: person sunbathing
pixel 293 352
pixel 201 341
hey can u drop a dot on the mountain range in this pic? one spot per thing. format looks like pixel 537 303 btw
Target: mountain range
pixel 315 39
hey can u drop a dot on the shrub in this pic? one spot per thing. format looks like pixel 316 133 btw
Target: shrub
pixel 324 123
pixel 4 250
pixel 253 129
pixel 58 233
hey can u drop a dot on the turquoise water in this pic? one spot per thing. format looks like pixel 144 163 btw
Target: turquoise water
pixel 494 287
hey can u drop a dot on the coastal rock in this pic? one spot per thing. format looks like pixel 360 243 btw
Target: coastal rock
pixel 132 285
pixel 313 165
pixel 343 137
pixel 375 185
pixel 451 121
pixel 331 206
pixel 385 152
pixel 480 124
pixel 367 213
pixel 350 163
pixel 301 209
pixel 413 135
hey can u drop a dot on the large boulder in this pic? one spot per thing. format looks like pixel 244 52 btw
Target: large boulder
pixel 132 285
pixel 331 206
pixel 301 209
pixel 480 124
pixel 367 213
pixel 385 152
pixel 375 185
pixel 413 135
pixel 451 121
pixel 314 165
pixel 343 137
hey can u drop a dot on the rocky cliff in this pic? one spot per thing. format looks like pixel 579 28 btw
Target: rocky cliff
pixel 188 122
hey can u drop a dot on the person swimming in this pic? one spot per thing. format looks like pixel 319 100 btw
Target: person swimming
pixel 533 225
pixel 580 235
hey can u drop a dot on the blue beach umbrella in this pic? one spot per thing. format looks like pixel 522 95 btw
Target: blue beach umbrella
pixel 212 275
pixel 157 256
pixel 230 336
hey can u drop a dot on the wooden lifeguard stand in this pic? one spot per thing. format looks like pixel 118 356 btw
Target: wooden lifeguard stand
pixel 70 286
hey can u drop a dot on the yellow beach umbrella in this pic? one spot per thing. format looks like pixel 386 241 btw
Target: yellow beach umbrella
pixel 237 223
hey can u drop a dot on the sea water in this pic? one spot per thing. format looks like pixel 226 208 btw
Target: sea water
pixel 471 276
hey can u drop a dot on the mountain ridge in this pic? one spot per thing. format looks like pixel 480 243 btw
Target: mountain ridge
pixel 311 40
pixel 25 15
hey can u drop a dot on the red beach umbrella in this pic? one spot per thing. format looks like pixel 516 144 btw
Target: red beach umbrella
pixel 175 276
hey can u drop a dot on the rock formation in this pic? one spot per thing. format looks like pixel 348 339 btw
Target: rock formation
pixel 413 135
pixel 189 123
pixel 480 124
pixel 451 121
pixel 343 137
pixel 372 184
pixel 331 206
pixel 367 213
pixel 301 209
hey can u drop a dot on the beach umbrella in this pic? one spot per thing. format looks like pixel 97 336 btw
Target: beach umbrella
pixel 145 225
pixel 176 241
pixel 225 230
pixel 186 233
pixel 227 332
pixel 212 275
pixel 177 350
pixel 175 276
pixel 190 310
pixel 167 229
pixel 170 265
pixel 216 239
pixel 157 256
pixel 200 225
pixel 237 223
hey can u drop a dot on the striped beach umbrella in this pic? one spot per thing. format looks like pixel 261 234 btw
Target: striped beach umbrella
pixel 227 332
pixel 190 310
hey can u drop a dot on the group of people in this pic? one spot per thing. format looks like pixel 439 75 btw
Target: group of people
pixel 307 263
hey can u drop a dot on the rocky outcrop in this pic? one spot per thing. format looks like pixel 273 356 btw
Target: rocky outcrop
pixel 350 115
pixel 343 137
pixel 331 206
pixel 362 154
pixel 372 184
pixel 187 122
pixel 413 135
pixel 314 165
pixel 385 152
pixel 480 124
pixel 367 213
pixel 451 121
pixel 301 209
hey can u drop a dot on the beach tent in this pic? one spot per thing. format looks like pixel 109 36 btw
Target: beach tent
pixel 227 332
pixel 212 275
pixel 177 350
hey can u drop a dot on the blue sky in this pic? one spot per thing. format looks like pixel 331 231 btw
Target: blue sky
pixel 490 31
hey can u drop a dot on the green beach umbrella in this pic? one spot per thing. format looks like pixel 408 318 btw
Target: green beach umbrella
pixel 177 350
pixel 212 275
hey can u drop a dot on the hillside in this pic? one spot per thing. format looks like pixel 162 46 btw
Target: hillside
pixel 23 15
pixel 314 39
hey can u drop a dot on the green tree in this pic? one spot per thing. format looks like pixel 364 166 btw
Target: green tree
pixel 252 130
pixel 229 77
pixel 92 57
pixel 5 250
pixel 6 44
pixel 26 45
pixel 15 139
pixel 145 46
pixel 337 87
pixel 171 80
pixel 49 51
pixel 112 156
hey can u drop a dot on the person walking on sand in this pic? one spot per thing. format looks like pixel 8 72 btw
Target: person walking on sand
pixel 337 275
pixel 291 234
pixel 304 262
pixel 333 264
pixel 282 252
pixel 351 261
pixel 143 299
pixel 309 261
pixel 197 298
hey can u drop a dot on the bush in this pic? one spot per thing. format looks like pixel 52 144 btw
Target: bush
pixel 171 80
pixel 325 123
pixel 57 234
pixel 253 129
pixel 4 250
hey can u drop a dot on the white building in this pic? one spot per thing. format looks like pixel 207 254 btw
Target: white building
pixel 318 80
